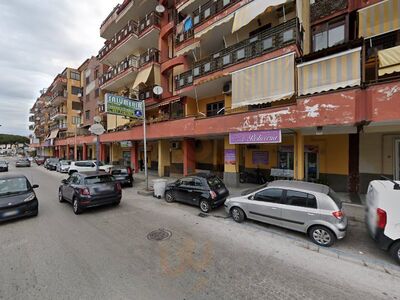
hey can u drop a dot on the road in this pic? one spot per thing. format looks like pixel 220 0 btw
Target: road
pixel 105 254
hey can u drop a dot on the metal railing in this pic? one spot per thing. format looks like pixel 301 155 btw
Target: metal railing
pixel 267 41
pixel 132 27
pixel 62 94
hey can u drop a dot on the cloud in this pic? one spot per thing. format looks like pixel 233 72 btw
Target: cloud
pixel 37 41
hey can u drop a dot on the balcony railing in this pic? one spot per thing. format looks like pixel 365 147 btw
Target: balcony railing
pixel 56 112
pixel 323 8
pixel 147 93
pixel 267 41
pixel 202 14
pixel 32 119
pixel 152 55
pixel 31 127
pixel 63 94
pixel 133 27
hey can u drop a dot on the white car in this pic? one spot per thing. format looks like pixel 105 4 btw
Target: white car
pixel 87 166
pixel 383 215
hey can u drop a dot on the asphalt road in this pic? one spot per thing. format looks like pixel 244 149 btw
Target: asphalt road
pixel 105 254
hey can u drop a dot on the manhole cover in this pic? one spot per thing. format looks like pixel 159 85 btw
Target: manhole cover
pixel 202 215
pixel 159 235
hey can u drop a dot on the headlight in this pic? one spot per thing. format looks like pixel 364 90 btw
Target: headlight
pixel 30 197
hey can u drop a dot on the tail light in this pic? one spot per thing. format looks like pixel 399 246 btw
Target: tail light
pixel 382 218
pixel 118 187
pixel 84 191
pixel 213 195
pixel 338 214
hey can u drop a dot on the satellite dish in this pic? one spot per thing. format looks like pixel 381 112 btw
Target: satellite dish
pixel 97 119
pixel 160 8
pixel 158 90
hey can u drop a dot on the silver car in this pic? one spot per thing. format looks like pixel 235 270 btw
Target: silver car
pixel 63 166
pixel 311 208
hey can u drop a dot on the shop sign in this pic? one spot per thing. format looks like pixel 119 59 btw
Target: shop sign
pixel 255 137
pixel 260 157
pixel 230 157
pixel 126 144
pixel 123 106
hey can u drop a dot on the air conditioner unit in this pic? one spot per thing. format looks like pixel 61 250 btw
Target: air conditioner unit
pixel 227 89
pixel 175 145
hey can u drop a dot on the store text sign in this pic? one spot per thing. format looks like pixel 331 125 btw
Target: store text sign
pixel 255 137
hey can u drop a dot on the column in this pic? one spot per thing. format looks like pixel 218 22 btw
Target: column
pixel 231 163
pixel 67 152
pixel 84 152
pixel 215 155
pixel 164 162
pixel 135 157
pixel 299 156
pixel 102 152
pixel 189 157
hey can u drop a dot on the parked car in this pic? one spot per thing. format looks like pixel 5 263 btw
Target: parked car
pixel 52 164
pixel 204 190
pixel 22 162
pixel 39 160
pixel 90 189
pixel 123 175
pixel 17 197
pixel 46 162
pixel 311 208
pixel 87 166
pixel 3 166
pixel 63 166
pixel 383 215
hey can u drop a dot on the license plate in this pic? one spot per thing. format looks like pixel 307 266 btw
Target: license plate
pixel 10 213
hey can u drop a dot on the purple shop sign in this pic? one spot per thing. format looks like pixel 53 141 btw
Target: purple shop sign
pixel 260 157
pixel 255 137
pixel 230 157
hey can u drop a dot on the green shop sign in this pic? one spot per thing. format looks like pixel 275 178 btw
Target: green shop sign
pixel 123 106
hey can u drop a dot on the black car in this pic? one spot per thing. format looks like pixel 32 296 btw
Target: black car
pixel 52 164
pixel 204 190
pixel 122 175
pixel 90 189
pixel 3 166
pixel 17 198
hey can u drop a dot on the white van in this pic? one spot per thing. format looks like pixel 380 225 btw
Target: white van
pixel 383 215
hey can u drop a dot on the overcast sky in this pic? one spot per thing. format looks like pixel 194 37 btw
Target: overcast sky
pixel 38 39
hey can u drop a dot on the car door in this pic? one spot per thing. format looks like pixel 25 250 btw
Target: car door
pixel 298 208
pixel 265 206
pixel 69 188
pixel 185 189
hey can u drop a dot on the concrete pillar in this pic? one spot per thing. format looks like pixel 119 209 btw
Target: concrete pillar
pixel 102 152
pixel 164 161
pixel 67 152
pixel 231 163
pixel 135 157
pixel 84 152
pixel 215 155
pixel 299 156
pixel 189 157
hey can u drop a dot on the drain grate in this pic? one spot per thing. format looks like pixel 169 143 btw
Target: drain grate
pixel 203 215
pixel 159 235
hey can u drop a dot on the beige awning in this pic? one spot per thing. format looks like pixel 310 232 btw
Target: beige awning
pixel 263 83
pixel 249 12
pixel 188 48
pixel 53 134
pixel 184 5
pixel 216 24
pixel 389 60
pixel 142 77
pixel 330 72
pixel 157 75
pixel 379 18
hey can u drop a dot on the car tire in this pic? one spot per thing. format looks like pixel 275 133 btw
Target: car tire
pixel 237 214
pixel 116 203
pixel 205 206
pixel 60 196
pixel 169 197
pixel 130 183
pixel 76 207
pixel 322 236
pixel 242 179
pixel 395 251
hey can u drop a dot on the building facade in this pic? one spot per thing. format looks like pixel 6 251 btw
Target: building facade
pixel 298 89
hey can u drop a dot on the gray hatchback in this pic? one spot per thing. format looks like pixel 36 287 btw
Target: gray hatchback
pixel 311 208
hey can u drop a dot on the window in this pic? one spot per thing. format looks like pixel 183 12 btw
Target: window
pixel 75 75
pixel 329 34
pixel 214 109
pixel 269 195
pixel 188 181
pixel 97 93
pixel 87 114
pixel 300 199
pixel 76 90
pixel 87 80
pixel 177 110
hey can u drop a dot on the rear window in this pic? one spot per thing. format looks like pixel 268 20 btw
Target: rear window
pixel 99 179
pixel 65 162
pixel 119 171
pixel 335 197
pixel 215 183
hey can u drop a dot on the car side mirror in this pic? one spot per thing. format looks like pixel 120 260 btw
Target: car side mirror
pixel 35 186
pixel 64 181
pixel 251 197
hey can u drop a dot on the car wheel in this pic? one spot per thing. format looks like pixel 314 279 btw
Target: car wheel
pixel 205 206
pixel 237 214
pixel 76 207
pixel 60 196
pixel 242 179
pixel 130 183
pixel 116 203
pixel 169 197
pixel 322 236
pixel 395 252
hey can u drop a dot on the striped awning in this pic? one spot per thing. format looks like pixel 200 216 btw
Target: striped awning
pixel 379 18
pixel 142 77
pixel 216 24
pixel 188 48
pixel 249 12
pixel 389 60
pixel 330 73
pixel 263 83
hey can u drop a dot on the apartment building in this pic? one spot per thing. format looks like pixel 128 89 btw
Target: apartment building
pixel 299 89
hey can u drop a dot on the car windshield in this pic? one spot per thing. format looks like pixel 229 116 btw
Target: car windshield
pixel 14 186
pixel 255 189
pixel 335 197
pixel 65 162
pixel 215 183
pixel 99 179
pixel 3 163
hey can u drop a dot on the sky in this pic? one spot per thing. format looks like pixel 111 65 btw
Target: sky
pixel 38 40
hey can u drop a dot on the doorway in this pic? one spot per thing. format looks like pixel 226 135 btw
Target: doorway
pixel 311 164
pixel 397 160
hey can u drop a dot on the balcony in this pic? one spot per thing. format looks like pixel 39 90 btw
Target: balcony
pixel 323 8
pixel 31 127
pixel 125 72
pixel 129 38
pixel 32 119
pixel 58 114
pixel 58 98
pixel 265 42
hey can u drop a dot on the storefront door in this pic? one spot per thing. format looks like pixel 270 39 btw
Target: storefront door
pixel 397 160
pixel 126 155
pixel 311 166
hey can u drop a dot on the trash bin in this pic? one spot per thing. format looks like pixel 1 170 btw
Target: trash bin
pixel 159 187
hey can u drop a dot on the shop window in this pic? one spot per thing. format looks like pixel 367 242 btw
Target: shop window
pixel 329 34
pixel 214 109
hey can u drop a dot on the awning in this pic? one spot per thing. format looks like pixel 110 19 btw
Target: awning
pixel 263 83
pixel 142 77
pixel 216 24
pixel 249 12
pixel 330 73
pixel 379 18
pixel 157 75
pixel 184 5
pixel 188 48
pixel 53 134
pixel 389 60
